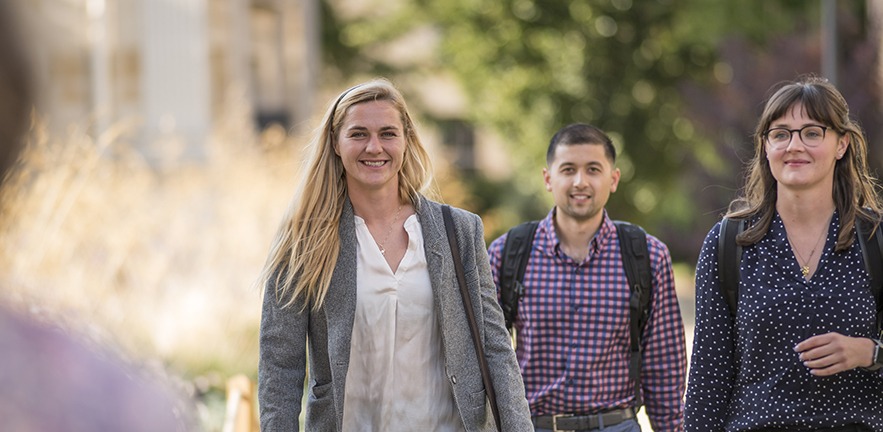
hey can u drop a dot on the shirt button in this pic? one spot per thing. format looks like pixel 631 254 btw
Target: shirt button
pixel 453 379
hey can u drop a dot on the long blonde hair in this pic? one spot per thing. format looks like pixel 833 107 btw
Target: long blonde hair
pixel 305 250
pixel 855 188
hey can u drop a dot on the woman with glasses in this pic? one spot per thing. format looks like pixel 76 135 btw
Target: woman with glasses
pixel 361 275
pixel 801 352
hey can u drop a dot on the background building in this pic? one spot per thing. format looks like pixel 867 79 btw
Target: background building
pixel 173 68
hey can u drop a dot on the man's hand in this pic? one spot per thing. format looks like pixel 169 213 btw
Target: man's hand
pixel 832 353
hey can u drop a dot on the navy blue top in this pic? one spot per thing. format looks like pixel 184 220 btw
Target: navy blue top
pixel 750 377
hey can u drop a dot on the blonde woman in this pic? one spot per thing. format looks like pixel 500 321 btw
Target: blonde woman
pixel 362 276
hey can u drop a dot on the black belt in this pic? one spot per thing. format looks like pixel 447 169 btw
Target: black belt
pixel 570 422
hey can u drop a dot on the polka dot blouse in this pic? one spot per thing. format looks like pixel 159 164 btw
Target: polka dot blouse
pixel 749 377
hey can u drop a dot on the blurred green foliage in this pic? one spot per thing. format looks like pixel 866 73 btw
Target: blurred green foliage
pixel 531 67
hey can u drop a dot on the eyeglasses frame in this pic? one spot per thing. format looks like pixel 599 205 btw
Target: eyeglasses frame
pixel 766 135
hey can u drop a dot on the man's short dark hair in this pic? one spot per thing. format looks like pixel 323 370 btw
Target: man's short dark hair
pixel 580 133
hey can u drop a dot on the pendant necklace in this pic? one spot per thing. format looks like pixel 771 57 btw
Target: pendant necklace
pixel 804 268
pixel 392 225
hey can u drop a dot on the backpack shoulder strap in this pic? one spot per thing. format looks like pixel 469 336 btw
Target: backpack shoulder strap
pixel 516 252
pixel 636 262
pixel 729 257
pixel 871 241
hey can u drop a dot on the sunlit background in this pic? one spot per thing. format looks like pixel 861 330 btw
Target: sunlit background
pixel 167 136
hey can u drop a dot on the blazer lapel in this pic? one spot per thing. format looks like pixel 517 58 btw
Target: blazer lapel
pixel 448 305
pixel 340 305
pixel 435 240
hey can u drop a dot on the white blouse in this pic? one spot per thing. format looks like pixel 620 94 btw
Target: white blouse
pixel 396 379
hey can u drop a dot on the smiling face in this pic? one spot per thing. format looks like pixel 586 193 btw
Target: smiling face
pixel 371 144
pixel 581 179
pixel 798 167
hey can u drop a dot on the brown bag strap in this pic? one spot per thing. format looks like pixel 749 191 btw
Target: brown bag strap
pixel 470 315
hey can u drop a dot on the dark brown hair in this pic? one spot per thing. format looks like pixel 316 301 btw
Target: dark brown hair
pixel 580 133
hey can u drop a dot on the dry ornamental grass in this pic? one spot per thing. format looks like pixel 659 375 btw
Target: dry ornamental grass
pixel 157 262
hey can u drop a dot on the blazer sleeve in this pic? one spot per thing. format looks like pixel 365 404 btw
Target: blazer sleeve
pixel 282 362
pixel 505 373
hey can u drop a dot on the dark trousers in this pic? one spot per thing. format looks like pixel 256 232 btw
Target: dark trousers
pixel 847 428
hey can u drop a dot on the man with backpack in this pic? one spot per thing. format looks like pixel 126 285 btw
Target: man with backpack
pixel 592 302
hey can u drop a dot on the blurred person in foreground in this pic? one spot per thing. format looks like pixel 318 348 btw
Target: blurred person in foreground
pixel 799 353
pixel 49 380
pixel 361 275
pixel 573 321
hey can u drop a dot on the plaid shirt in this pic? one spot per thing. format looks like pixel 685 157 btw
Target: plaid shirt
pixel 572 330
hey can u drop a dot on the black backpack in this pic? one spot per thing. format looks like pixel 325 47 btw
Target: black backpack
pixel 635 260
pixel 729 258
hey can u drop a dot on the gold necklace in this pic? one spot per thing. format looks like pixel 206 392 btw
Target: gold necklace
pixel 804 268
pixel 392 225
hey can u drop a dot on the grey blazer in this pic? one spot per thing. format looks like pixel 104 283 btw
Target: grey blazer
pixel 287 334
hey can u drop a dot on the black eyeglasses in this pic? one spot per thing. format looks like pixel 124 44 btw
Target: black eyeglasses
pixel 780 138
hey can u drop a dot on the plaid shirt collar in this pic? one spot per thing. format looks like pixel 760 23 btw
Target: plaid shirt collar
pixel 547 237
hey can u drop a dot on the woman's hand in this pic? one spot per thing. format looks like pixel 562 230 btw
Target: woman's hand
pixel 832 353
